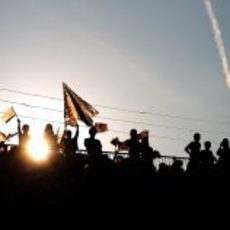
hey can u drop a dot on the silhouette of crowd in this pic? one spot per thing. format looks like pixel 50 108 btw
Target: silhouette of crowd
pixel 74 185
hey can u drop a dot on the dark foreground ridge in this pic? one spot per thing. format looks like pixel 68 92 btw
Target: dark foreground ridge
pixel 85 189
pixel 76 190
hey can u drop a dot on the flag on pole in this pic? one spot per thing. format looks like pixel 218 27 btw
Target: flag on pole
pixel 101 127
pixel 8 114
pixel 115 141
pixel 122 146
pixel 75 108
pixel 144 134
pixel 5 137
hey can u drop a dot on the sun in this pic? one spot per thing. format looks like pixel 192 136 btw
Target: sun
pixel 38 149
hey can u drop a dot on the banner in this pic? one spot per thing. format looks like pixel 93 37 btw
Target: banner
pixel 75 108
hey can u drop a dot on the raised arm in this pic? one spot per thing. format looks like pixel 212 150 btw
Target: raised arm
pixel 19 127
pixel 76 133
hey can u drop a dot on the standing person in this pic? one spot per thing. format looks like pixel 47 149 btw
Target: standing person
pixel 24 135
pixel 50 138
pixel 207 158
pixel 93 145
pixel 69 143
pixel 193 150
pixel 134 145
pixel 223 152
pixel 148 154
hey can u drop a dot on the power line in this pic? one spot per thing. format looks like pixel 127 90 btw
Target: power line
pixel 31 106
pixel 120 120
pixel 30 94
pixel 165 126
pixel 126 110
pixel 111 130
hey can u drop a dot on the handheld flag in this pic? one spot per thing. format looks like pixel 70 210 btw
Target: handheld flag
pixel 5 137
pixel 75 108
pixel 115 141
pixel 8 114
pixel 101 127
pixel 144 134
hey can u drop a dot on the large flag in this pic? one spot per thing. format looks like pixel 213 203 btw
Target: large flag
pixel 8 114
pixel 75 108
pixel 101 127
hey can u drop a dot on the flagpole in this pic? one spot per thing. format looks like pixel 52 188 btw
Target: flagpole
pixel 65 123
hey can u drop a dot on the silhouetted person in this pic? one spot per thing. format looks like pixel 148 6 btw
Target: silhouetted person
pixel 207 158
pixel 69 143
pixel 50 138
pixel 224 155
pixel 148 154
pixel 134 145
pixel 177 168
pixel 3 147
pixel 193 150
pixel 163 169
pixel 24 136
pixel 93 145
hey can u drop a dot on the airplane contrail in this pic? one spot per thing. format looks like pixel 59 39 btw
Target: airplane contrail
pixel 218 40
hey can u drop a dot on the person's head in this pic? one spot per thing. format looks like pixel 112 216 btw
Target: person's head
pixel 196 137
pixel 133 134
pixel 225 143
pixel 25 128
pixel 207 145
pixel 49 128
pixel 92 132
pixel 177 164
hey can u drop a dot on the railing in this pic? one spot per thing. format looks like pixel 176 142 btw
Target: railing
pixel 166 159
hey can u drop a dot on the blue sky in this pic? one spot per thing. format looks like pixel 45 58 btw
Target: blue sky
pixel 150 55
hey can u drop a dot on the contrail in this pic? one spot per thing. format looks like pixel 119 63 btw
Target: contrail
pixel 218 40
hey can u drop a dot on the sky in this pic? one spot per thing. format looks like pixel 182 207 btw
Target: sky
pixel 157 56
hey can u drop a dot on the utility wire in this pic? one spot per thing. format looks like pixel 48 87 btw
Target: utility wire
pixel 111 130
pixel 124 109
pixel 121 120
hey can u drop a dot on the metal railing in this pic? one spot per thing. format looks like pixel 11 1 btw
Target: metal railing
pixel 166 159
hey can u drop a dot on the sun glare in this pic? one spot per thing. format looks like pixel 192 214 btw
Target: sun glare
pixel 38 150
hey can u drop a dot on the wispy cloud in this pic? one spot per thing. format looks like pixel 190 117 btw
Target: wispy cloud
pixel 218 40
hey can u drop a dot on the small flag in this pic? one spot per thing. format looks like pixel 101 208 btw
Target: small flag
pixel 76 108
pixel 144 134
pixel 101 127
pixel 5 137
pixel 8 114
pixel 115 141
pixel 122 146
